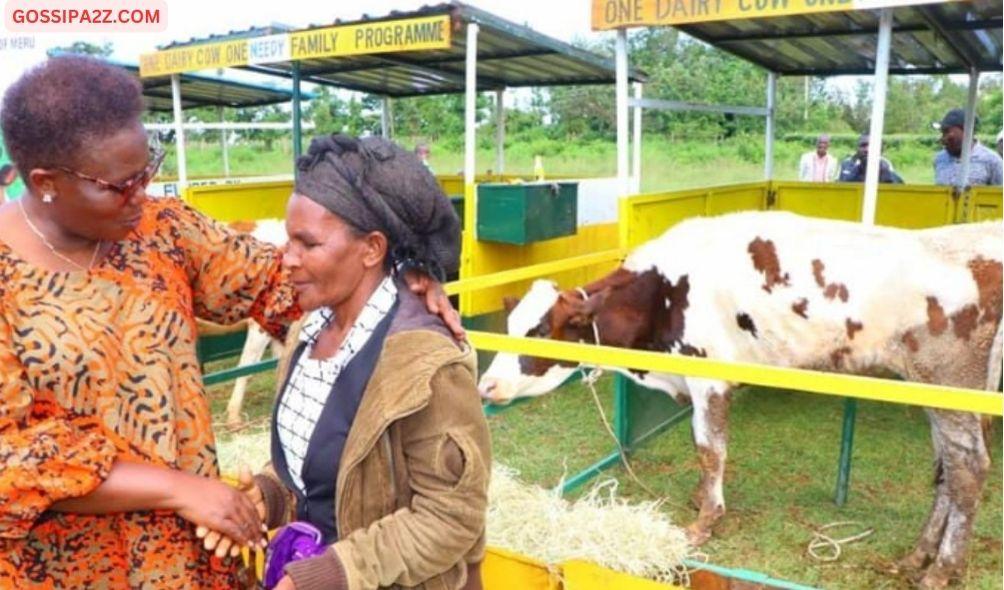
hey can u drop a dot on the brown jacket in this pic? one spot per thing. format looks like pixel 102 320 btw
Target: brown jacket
pixel 413 483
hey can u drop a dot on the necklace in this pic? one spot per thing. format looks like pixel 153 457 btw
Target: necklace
pixel 52 248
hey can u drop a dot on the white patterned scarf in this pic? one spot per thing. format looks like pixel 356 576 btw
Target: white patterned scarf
pixel 311 380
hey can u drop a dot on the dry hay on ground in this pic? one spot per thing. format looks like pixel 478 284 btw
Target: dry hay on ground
pixel 599 527
pixel 251 449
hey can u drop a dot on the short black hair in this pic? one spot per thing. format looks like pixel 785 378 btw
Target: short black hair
pixel 54 109
pixel 957 118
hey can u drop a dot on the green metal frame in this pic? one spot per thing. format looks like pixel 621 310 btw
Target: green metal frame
pixel 760 579
pixel 217 347
pixel 846 449
pixel 223 346
pixel 629 398
pixel 231 374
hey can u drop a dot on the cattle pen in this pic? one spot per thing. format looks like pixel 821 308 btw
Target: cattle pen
pixel 775 38
pixel 868 37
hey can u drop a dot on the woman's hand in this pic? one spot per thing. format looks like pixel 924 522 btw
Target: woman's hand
pixel 246 484
pixel 209 503
pixel 221 544
pixel 436 300
pixel 286 583
pixel 218 507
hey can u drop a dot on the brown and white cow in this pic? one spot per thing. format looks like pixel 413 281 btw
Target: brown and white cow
pixel 779 289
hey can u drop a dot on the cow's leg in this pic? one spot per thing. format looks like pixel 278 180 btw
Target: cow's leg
pixel 965 463
pixel 930 537
pixel 277 348
pixel 961 457
pixel 254 347
pixel 710 425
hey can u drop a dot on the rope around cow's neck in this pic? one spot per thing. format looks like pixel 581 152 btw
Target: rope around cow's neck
pixel 592 322
pixel 589 378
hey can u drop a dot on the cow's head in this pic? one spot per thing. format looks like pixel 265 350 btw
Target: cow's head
pixel 625 309
pixel 507 378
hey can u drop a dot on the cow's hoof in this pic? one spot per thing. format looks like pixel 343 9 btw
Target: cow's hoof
pixel 911 564
pixel 698 535
pixel 935 579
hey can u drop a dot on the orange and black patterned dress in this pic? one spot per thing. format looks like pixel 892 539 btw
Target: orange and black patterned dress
pixel 101 365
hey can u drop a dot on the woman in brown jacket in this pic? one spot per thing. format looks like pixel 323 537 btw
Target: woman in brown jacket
pixel 378 438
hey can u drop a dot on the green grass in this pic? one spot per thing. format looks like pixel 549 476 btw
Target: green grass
pixel 205 160
pixel 666 165
pixel 780 477
pixel 663 166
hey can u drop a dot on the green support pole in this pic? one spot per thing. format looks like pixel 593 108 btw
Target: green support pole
pixel 297 115
pixel 625 432
pixel 622 414
pixel 621 430
pixel 846 447
pixel 234 373
pixel 590 472
pixel 760 579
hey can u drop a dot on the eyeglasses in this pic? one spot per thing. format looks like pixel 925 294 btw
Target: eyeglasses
pixel 126 188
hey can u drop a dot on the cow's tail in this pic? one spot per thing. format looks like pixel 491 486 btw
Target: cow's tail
pixel 995 366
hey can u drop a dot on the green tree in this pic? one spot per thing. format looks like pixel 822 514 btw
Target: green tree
pixel 991 105
pixel 84 48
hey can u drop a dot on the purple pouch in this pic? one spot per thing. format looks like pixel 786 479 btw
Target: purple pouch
pixel 295 541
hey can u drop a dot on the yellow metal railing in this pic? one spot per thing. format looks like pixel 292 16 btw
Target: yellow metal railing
pixel 884 390
pixel 531 272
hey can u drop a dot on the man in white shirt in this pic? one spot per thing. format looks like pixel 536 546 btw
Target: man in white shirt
pixel 818 166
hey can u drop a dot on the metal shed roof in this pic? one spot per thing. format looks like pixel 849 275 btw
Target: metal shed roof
pixel 509 55
pixel 944 38
pixel 200 90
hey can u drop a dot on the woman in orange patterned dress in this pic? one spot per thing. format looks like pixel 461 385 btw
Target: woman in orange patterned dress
pixel 107 456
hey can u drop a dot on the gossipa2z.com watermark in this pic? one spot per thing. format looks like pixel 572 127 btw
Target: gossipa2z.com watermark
pixel 84 16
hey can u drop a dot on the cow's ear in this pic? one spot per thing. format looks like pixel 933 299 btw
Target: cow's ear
pixel 592 305
pixel 510 303
pixel 573 299
pixel 570 297
pixel 586 311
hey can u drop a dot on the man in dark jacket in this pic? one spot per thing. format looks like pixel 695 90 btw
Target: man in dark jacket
pixel 853 169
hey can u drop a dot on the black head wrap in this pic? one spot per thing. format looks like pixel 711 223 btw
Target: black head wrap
pixel 375 185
